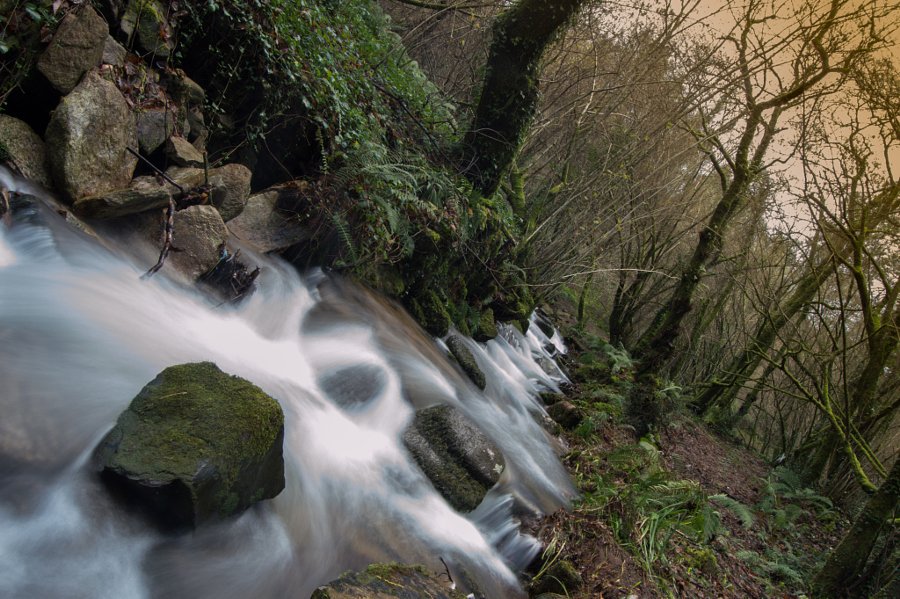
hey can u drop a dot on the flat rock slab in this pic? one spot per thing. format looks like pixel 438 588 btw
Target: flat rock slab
pixel 195 445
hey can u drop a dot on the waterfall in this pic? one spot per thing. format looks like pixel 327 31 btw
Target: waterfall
pixel 81 333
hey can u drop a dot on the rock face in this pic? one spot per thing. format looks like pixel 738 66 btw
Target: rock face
pixel 76 48
pixel 195 445
pixel 460 461
pixel 87 139
pixel 265 228
pixel 24 149
pixel 386 581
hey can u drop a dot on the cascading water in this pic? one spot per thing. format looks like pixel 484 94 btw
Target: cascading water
pixel 80 334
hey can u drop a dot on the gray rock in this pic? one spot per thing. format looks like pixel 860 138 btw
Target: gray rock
pixel 145 193
pixel 199 232
pixel 87 139
pixel 230 189
pixel 461 462
pixel 23 148
pixel 198 133
pixel 144 21
pixel 154 127
pixel 181 153
pixel 76 48
pixel 185 90
pixel 196 445
pixel 263 227
pixel 113 52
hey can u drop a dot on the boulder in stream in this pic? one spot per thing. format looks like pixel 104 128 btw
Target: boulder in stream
pixel 195 445
pixel 458 349
pixel 461 462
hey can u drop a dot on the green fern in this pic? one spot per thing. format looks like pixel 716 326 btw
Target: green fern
pixel 744 513
pixel 343 230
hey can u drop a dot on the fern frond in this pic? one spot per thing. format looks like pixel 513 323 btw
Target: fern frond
pixel 743 512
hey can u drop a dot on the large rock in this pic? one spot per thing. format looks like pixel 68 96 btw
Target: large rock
pixel 23 148
pixel 181 153
pixel 154 126
pixel 198 235
pixel 461 462
pixel 145 21
pixel 88 137
pixel 385 581
pixel 230 189
pixel 76 48
pixel 195 445
pixel 265 228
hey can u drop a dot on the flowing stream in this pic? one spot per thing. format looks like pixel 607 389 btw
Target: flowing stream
pixel 80 334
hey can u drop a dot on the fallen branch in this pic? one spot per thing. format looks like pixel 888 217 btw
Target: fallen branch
pixel 167 242
pixel 155 169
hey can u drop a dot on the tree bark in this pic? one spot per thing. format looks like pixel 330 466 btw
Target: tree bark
pixel 843 567
pixel 510 91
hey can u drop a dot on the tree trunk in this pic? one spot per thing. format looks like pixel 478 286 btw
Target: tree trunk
pixel 841 572
pixel 510 91
pixel 722 392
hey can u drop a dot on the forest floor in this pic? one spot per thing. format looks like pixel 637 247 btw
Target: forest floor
pixel 682 513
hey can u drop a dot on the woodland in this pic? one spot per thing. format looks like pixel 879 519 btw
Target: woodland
pixel 703 197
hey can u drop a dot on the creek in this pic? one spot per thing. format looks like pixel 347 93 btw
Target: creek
pixel 81 333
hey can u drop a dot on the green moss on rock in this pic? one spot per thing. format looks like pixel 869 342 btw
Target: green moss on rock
pixel 466 360
pixel 196 445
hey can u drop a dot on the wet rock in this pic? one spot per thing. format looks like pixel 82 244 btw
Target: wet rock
pixel 487 326
pixel 145 193
pixel 181 153
pixel 230 189
pixel 265 228
pixel 566 414
pixel 194 446
pixel 561 578
pixel 354 386
pixel 154 127
pixel 199 235
pixel 466 360
pixel 76 48
pixel 113 52
pixel 21 147
pixel 461 462
pixel 87 139
pixel 383 581
pixel 144 21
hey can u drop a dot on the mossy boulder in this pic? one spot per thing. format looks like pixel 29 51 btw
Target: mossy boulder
pixel 487 326
pixel 196 445
pixel 383 581
pixel 144 21
pixel 461 462
pixel 566 414
pixel 458 349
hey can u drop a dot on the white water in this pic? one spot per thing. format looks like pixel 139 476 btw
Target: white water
pixel 80 334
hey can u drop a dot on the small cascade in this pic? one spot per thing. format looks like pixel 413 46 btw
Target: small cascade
pixel 81 333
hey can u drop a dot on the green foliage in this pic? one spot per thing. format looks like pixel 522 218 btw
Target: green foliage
pixel 772 565
pixel 646 507
pixel 744 513
pixel 20 41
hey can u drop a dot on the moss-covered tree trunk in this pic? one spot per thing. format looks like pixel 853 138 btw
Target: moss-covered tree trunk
pixel 848 560
pixel 510 91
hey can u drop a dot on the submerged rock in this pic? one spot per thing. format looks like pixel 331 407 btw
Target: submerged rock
pixel 383 581
pixel 88 137
pixel 195 445
pixel 461 462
